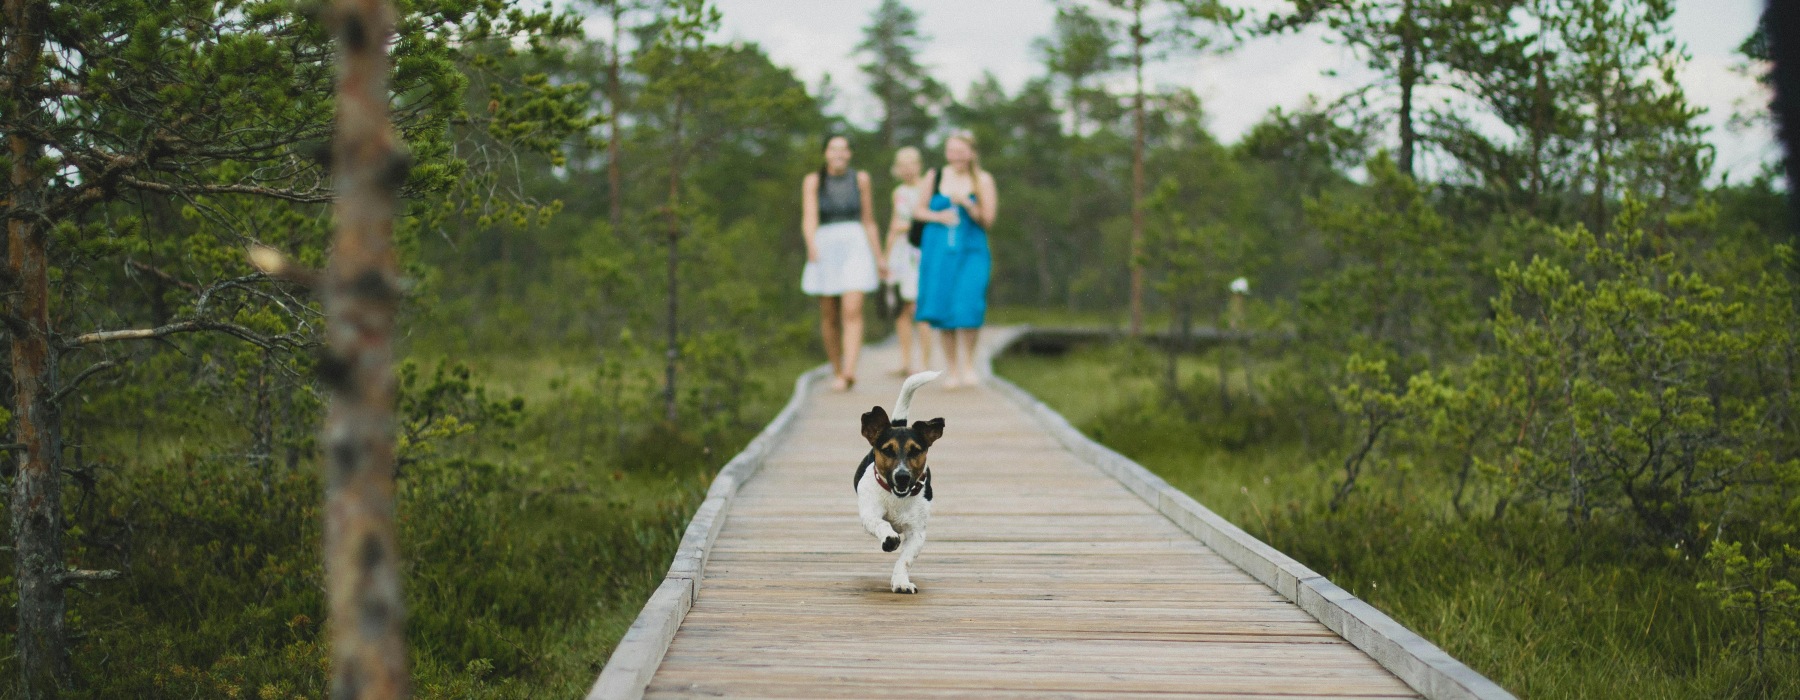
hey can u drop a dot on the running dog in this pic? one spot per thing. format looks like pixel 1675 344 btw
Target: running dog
pixel 894 498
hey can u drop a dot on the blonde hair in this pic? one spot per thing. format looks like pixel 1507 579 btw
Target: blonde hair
pixel 968 137
pixel 905 153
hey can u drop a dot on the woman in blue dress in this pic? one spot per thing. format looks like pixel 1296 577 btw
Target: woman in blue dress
pixel 954 261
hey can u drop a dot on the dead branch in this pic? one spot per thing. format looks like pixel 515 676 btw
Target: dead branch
pixel 189 326
pixel 314 197
pixel 75 383
pixel 78 576
pixel 164 276
pixel 276 264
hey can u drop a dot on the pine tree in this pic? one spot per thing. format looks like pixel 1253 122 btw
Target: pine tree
pixel 1407 42
pixel 1155 29
pixel 909 96
pixel 1080 49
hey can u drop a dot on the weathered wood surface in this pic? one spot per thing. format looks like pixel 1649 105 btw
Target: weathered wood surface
pixel 1043 577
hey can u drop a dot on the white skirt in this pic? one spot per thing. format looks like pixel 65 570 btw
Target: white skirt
pixel 903 268
pixel 845 263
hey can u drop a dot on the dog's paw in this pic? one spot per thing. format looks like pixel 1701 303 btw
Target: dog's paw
pixel 905 588
pixel 891 543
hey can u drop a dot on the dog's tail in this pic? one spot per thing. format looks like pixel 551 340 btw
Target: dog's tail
pixel 906 391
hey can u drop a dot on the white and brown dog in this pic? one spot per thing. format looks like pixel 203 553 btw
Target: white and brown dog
pixel 894 498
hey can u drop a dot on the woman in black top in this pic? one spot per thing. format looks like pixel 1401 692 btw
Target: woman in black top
pixel 842 255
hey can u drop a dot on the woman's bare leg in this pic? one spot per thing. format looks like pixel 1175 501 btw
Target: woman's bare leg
pixel 903 327
pixel 951 369
pixel 831 331
pixel 853 334
pixel 926 338
pixel 969 336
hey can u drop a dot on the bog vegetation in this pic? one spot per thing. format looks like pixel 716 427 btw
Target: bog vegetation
pixel 1542 369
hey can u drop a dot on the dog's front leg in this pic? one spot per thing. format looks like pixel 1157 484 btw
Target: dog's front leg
pixel 910 544
pixel 874 519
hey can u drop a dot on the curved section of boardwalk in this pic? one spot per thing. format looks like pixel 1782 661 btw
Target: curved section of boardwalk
pixel 1043 577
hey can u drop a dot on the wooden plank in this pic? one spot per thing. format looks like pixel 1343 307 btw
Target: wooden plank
pixel 752 689
pixel 640 652
pixel 1044 577
pixel 984 676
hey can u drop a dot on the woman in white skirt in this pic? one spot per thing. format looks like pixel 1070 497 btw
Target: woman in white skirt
pixel 842 252
pixel 903 261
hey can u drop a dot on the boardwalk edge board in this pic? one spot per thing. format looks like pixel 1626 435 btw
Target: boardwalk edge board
pixel 1416 661
pixel 635 660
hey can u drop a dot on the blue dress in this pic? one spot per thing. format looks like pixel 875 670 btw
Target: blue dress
pixel 953 271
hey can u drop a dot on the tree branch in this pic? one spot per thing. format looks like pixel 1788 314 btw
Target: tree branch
pixel 16 325
pixel 271 192
pixel 75 383
pixel 190 326
pixel 77 576
pixel 164 276
pixel 275 264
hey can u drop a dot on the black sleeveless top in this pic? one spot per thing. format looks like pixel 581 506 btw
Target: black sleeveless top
pixel 839 199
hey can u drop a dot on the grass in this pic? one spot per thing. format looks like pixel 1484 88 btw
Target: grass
pixel 531 533
pixel 1543 610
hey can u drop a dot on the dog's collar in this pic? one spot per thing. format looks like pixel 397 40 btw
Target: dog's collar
pixel 918 485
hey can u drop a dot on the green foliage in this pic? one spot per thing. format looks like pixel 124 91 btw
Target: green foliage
pixel 498 512
pixel 1653 389
pixel 1397 286
pixel 1760 586
pixel 191 456
pixel 1544 610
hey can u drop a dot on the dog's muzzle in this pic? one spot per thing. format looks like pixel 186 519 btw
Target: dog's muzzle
pixel 903 480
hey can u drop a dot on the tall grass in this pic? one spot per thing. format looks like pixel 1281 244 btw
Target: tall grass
pixel 533 530
pixel 1543 609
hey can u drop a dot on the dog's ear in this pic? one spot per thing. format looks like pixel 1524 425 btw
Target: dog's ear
pixel 928 430
pixel 874 423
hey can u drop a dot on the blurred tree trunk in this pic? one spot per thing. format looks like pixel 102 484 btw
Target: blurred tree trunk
pixel 361 296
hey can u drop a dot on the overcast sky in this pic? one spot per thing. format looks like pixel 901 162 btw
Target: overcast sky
pixel 968 38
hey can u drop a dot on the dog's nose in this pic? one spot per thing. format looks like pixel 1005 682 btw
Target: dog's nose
pixel 902 479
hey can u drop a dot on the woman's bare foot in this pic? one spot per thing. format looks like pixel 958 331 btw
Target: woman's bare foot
pixel 969 379
pixel 840 383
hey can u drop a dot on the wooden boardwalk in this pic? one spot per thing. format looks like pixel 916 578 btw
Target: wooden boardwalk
pixel 1043 577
